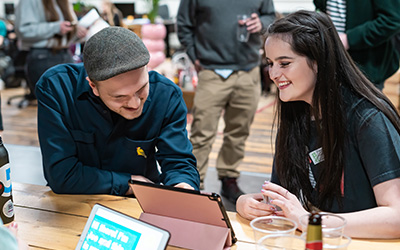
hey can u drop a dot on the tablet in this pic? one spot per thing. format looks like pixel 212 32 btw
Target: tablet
pixel 182 204
pixel 109 229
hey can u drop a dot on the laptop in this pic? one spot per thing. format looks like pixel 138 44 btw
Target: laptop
pixel 175 208
pixel 109 229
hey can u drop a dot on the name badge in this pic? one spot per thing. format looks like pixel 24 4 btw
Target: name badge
pixel 317 156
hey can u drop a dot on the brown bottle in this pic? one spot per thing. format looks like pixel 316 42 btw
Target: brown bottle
pixel 6 201
pixel 314 232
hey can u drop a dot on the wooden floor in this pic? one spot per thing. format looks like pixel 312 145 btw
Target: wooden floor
pixel 20 128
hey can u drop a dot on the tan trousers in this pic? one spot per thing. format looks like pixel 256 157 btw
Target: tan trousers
pixel 238 96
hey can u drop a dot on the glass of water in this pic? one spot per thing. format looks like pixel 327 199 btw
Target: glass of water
pixel 241 33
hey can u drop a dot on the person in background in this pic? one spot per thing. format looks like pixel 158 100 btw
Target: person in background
pixel 366 29
pixel 228 78
pixel 46 28
pixel 109 120
pixel 111 14
pixel 338 136
pixel 3 32
pixel 9 239
pixel 3 35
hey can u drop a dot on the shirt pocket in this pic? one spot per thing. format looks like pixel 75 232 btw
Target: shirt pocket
pixel 140 149
pixel 142 154
pixel 85 147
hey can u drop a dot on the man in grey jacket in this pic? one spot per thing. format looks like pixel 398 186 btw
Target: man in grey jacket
pixel 229 78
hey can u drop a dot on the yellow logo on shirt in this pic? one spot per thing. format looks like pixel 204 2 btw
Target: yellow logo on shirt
pixel 140 152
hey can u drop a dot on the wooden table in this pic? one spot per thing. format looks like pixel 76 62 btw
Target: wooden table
pixel 50 221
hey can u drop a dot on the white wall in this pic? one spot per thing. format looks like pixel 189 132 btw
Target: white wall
pixel 2 10
pixel 287 6
pixel 141 6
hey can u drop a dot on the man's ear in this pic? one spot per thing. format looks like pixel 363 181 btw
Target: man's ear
pixel 93 86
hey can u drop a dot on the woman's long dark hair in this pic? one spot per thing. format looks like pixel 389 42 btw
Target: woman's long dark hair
pixel 313 35
pixel 52 16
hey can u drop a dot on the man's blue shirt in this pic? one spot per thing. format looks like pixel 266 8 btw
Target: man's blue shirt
pixel 87 148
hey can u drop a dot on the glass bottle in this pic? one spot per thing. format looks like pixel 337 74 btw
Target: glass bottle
pixel 314 232
pixel 6 201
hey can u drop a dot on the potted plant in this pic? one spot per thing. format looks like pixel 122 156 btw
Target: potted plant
pixel 153 10
pixel 153 35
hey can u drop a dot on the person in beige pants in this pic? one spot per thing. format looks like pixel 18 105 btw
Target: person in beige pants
pixel 229 77
pixel 236 99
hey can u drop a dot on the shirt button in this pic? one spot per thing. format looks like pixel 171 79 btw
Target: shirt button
pixel 105 111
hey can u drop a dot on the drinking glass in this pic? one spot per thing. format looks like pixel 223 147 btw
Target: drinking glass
pixel 280 242
pixel 332 232
pixel 333 243
pixel 241 33
pixel 268 225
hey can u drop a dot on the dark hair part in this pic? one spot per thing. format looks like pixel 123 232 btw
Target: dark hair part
pixel 313 35
pixel 52 16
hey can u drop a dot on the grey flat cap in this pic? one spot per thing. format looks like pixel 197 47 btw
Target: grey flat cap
pixel 113 51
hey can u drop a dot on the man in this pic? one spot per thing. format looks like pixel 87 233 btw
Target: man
pixel 109 120
pixel 366 29
pixel 229 78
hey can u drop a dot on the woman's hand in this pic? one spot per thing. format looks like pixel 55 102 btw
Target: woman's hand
pixel 65 27
pixel 288 202
pixel 81 32
pixel 250 206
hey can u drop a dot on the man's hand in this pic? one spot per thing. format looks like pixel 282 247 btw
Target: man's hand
pixel 254 24
pixel 184 185
pixel 137 178
pixel 197 66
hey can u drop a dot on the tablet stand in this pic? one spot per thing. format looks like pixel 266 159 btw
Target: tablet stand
pixel 189 234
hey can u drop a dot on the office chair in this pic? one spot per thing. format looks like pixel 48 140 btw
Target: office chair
pixel 15 77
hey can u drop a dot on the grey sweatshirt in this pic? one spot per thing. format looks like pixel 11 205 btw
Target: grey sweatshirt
pixel 207 30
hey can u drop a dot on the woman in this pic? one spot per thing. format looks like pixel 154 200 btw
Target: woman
pixel 338 142
pixel 46 28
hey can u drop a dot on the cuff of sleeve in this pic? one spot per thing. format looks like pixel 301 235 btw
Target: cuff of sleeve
pixel 120 183
pixel 352 39
pixel 195 185
pixel 57 27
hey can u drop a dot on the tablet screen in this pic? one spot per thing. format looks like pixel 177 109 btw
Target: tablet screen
pixel 110 229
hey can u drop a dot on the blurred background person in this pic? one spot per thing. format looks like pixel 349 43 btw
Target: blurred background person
pixel 3 35
pixel 9 238
pixel 3 32
pixel 111 14
pixel 366 29
pixel 46 28
pixel 228 69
